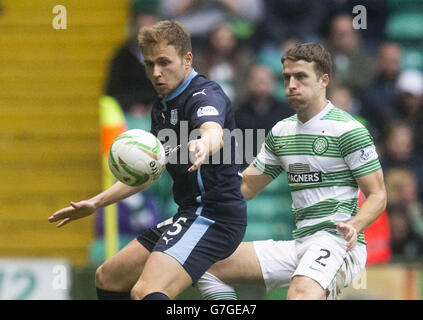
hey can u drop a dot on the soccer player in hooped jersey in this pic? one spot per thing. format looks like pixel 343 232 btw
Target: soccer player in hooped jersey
pixel 211 218
pixel 328 157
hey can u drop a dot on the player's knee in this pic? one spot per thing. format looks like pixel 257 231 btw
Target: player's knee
pixel 302 294
pixel 100 278
pixel 296 292
pixel 305 290
pixel 104 278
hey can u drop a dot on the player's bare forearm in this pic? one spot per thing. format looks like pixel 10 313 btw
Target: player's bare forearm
pixel 253 182
pixel 373 187
pixel 115 193
pixel 212 137
pixel 211 141
pixel 84 208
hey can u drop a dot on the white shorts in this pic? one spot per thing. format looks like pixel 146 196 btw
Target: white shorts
pixel 322 257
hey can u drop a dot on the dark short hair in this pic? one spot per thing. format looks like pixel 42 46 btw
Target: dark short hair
pixel 311 52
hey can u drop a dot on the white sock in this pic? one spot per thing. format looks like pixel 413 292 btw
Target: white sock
pixel 212 288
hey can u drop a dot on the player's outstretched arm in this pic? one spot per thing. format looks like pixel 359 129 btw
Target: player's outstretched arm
pixel 211 140
pixel 373 187
pixel 84 208
pixel 253 182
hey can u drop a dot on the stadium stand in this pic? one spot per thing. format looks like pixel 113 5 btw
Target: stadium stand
pixel 49 88
pixel 405 26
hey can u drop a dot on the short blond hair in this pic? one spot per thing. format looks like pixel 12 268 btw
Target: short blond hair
pixel 168 31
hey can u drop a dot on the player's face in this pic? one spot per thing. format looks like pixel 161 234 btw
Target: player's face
pixel 302 85
pixel 165 68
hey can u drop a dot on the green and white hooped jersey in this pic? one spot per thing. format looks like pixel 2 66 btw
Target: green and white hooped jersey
pixel 322 158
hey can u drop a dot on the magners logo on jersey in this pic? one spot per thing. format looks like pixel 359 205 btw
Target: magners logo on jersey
pixel 301 173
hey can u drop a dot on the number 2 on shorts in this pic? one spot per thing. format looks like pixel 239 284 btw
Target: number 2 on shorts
pixel 325 256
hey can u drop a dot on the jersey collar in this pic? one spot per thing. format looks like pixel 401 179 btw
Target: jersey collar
pixel 181 88
pixel 325 110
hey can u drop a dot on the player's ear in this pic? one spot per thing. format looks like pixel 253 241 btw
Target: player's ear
pixel 324 80
pixel 188 59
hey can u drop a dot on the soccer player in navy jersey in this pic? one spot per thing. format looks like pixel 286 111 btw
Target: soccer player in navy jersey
pixel 211 218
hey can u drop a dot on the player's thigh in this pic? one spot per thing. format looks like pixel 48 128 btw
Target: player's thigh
pixel 321 259
pixel 241 267
pixel 198 242
pixel 278 261
pixel 121 271
pixel 161 273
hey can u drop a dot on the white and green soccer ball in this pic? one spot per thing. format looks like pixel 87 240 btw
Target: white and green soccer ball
pixel 136 158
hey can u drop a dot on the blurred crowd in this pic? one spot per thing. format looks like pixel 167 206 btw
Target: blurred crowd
pixel 239 44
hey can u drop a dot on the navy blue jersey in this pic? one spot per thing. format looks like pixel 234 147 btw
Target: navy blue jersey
pixel 196 101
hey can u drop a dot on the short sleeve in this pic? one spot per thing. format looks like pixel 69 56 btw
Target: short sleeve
pixel 359 152
pixel 208 108
pixel 267 161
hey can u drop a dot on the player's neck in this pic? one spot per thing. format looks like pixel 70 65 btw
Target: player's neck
pixel 307 113
pixel 191 73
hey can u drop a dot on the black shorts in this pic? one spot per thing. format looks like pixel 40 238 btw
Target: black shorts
pixel 195 241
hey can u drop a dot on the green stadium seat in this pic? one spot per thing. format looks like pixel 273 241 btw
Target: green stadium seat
pixel 412 59
pixel 268 208
pixel 404 5
pixel 405 26
pixel 264 230
pixel 270 214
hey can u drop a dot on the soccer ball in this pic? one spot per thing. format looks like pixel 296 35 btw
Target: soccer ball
pixel 137 157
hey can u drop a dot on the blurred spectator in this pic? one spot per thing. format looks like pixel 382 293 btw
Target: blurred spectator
pixel 405 242
pixel 270 56
pixel 259 109
pixel 402 189
pixel 378 97
pixel 409 97
pixel 287 20
pixel 223 60
pixel 398 152
pixel 377 12
pixel 409 103
pixel 127 81
pixel 351 63
pixel 200 16
pixel 342 97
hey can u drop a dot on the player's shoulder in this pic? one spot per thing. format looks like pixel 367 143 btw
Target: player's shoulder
pixel 206 95
pixel 337 115
pixel 283 126
pixel 205 98
pixel 341 121
pixel 203 88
